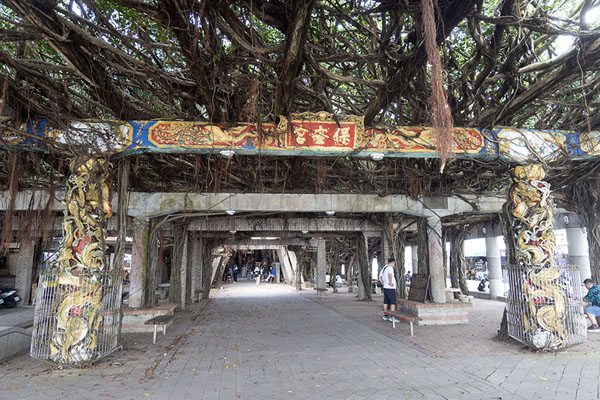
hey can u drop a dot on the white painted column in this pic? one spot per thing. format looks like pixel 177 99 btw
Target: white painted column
pixel 183 271
pixel 415 259
pixel 436 259
pixel 579 251
pixel 492 253
pixel 24 277
pixel 320 278
pixel 139 260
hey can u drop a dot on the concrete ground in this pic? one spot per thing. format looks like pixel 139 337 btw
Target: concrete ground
pixel 269 341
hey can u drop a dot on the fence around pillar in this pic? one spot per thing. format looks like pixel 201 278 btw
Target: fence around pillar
pixel 545 307
pixel 76 318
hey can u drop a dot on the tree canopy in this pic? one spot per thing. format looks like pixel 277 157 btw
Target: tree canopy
pixel 519 63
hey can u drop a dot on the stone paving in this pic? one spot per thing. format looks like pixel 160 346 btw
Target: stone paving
pixel 268 341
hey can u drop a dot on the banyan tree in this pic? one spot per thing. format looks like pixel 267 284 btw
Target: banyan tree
pixel 423 99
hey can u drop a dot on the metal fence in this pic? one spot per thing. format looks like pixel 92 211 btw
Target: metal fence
pixel 77 318
pixel 545 307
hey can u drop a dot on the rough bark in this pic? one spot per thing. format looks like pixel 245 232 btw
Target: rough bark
pixel 207 259
pixel 585 197
pixel 457 258
pixel 364 275
pixel 153 254
pixel 423 251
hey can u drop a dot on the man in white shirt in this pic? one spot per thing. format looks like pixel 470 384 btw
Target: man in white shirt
pixel 387 278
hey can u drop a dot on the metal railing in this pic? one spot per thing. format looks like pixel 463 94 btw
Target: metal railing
pixel 77 318
pixel 545 307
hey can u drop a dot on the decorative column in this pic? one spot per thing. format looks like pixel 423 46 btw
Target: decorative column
pixel 139 264
pixel 492 253
pixel 538 310
pixel 68 320
pixel 578 250
pixel 24 276
pixel 436 261
pixel 321 260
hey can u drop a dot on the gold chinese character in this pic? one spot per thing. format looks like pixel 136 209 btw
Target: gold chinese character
pixel 319 135
pixel 342 135
pixel 300 135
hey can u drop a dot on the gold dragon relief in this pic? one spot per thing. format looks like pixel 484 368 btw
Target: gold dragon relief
pixel 544 317
pixel 80 263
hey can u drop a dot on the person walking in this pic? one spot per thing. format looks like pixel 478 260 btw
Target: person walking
pixel 387 278
pixel 593 310
pixel 235 273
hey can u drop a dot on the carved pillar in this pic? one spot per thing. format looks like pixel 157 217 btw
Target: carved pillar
pixel 538 302
pixel 80 264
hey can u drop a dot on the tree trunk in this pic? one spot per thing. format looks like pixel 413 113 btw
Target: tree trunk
pixel 423 251
pixel 207 259
pixel 153 255
pixel 364 276
pixel 299 267
pixel 334 263
pixel 457 258
pixel 398 249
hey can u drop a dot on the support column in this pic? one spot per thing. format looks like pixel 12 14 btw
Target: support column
pixel 184 267
pixel 321 260
pixel 578 251
pixel 24 276
pixel 492 253
pixel 436 260
pixel 196 267
pixel 414 255
pixel 139 264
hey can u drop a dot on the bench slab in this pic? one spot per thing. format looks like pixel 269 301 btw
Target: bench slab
pixel 159 320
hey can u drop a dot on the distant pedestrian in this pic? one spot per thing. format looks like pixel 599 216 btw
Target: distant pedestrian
pixel 387 278
pixel 593 310
pixel 257 274
pixel 235 273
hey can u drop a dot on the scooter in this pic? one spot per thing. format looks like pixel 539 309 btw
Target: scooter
pixel 482 285
pixel 9 298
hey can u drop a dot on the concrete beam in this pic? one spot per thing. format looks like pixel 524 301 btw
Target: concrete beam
pixel 157 204
pixel 241 224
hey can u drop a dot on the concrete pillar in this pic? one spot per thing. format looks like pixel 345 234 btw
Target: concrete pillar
pixel 321 257
pixel 183 271
pixel 436 260
pixel 492 253
pixel 24 277
pixel 286 268
pixel 196 267
pixel 414 258
pixel 579 251
pixel 277 266
pixel 139 264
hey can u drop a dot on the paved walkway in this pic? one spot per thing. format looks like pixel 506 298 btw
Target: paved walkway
pixel 268 341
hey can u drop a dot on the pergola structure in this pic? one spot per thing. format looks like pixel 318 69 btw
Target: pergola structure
pixel 199 122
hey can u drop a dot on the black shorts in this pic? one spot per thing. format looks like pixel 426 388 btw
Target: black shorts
pixel 389 296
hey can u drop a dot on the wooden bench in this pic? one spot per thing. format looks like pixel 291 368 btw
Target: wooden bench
pixel 320 290
pixel 402 317
pixel 159 320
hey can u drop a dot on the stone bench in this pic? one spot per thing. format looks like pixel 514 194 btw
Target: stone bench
pixel 162 320
pixel 411 319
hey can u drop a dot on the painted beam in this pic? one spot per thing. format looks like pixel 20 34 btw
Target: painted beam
pixel 310 134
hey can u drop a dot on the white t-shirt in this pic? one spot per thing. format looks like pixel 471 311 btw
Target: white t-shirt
pixel 385 277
